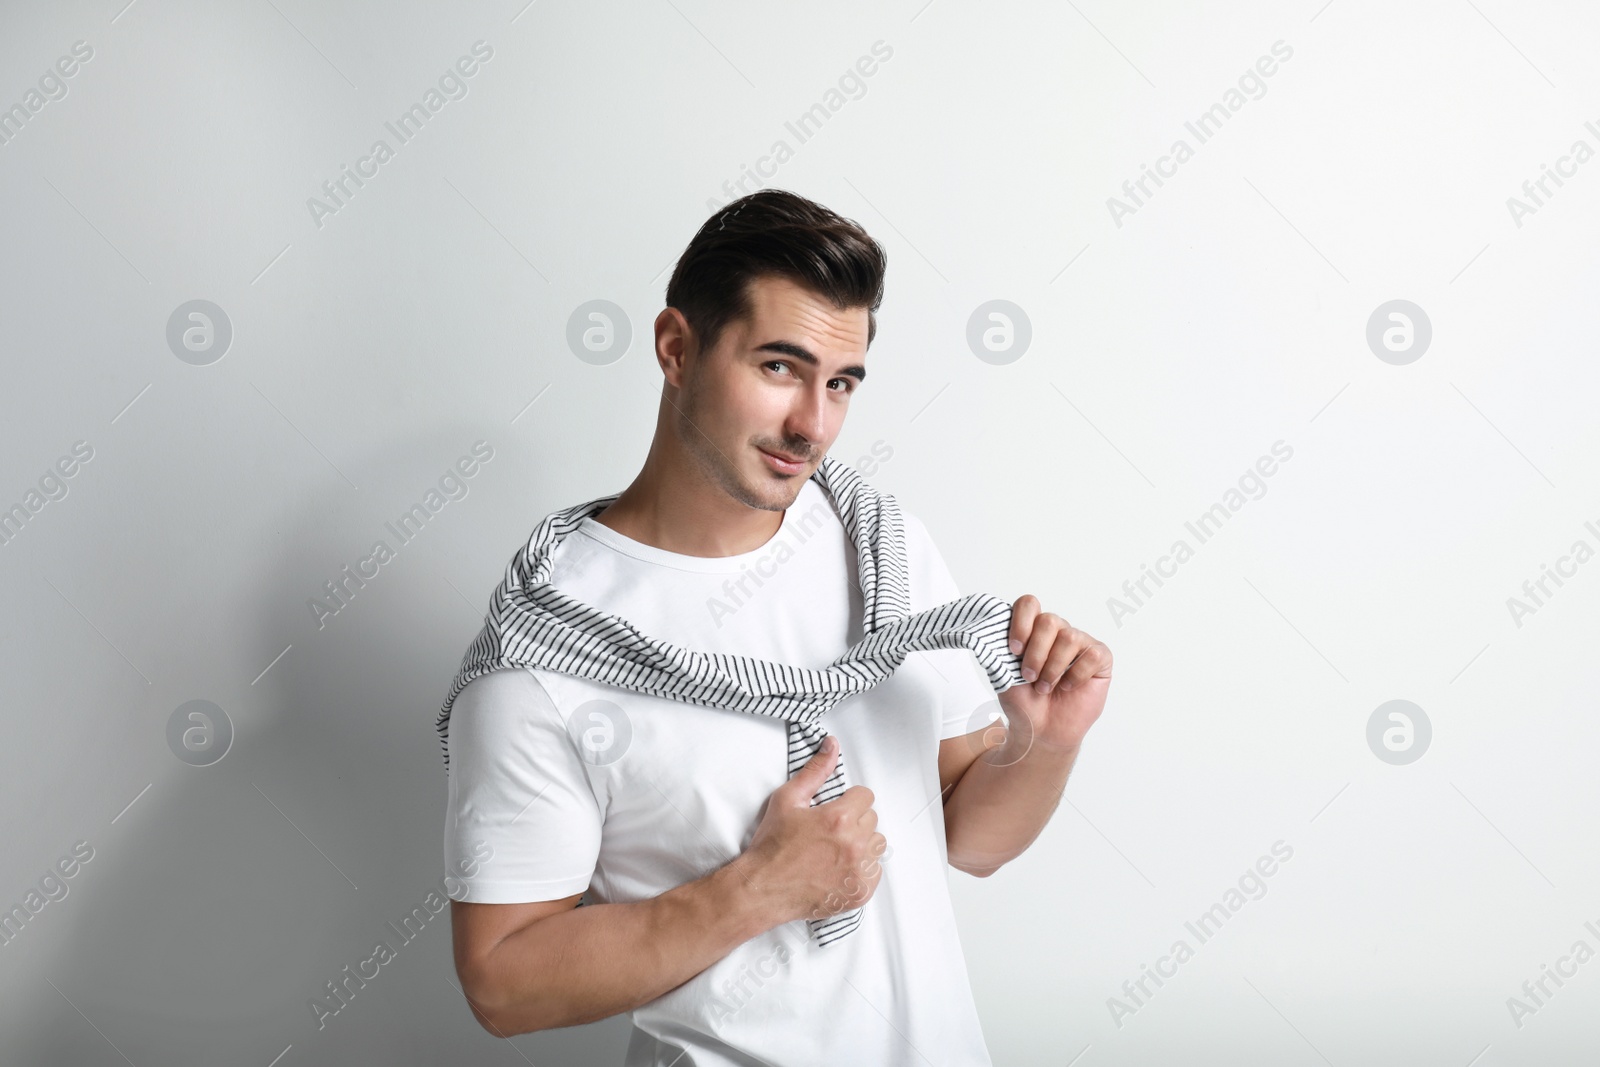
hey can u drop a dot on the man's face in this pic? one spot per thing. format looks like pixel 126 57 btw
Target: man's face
pixel 758 412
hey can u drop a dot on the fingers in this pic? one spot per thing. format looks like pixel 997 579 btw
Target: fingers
pixel 1093 661
pixel 1041 640
pixel 1069 643
pixel 1075 658
pixel 1023 612
pixel 810 777
pixel 856 796
pixel 1053 653
pixel 876 848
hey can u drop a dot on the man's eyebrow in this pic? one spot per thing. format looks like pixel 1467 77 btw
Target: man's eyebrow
pixel 789 348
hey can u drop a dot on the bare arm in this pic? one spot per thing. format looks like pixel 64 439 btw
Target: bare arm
pixel 1002 784
pixel 535 966
pixel 1001 800
pixel 527 967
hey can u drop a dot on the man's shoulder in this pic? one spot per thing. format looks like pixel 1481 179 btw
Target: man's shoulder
pixel 919 538
pixel 507 686
pixel 932 583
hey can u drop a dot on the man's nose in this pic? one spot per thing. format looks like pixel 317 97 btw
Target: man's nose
pixel 808 417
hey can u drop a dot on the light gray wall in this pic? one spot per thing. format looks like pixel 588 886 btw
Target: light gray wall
pixel 1171 347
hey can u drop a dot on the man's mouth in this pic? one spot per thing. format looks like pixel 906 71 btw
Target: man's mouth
pixel 782 463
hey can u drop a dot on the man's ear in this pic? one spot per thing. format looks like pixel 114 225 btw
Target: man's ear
pixel 673 338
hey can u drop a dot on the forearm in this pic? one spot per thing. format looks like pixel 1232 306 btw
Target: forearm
pixel 600 960
pixel 1002 802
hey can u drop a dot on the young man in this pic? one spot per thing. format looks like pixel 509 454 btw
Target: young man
pixel 709 867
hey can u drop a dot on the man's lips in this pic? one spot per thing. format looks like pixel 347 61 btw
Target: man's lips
pixel 782 463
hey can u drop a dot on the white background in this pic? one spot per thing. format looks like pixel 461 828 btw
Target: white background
pixel 1227 313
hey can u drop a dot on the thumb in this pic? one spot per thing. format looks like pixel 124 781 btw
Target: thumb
pixel 809 778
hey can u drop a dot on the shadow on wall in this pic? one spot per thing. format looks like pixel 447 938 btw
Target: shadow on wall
pixel 230 896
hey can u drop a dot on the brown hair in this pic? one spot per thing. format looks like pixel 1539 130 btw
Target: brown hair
pixel 774 232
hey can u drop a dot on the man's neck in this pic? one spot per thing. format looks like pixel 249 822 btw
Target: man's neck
pixel 673 507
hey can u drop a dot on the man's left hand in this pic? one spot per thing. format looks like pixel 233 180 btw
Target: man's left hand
pixel 1066 673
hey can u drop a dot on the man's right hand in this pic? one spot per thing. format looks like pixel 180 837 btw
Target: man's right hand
pixel 816 861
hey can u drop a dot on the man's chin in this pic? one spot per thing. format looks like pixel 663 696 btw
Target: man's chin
pixel 750 479
pixel 774 491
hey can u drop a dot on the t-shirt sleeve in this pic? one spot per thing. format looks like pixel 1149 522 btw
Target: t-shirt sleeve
pixel 523 823
pixel 968 702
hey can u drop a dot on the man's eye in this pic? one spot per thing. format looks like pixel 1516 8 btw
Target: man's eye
pixel 780 364
pixel 848 384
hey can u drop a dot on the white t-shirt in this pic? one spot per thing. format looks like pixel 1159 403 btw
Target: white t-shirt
pixel 634 795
